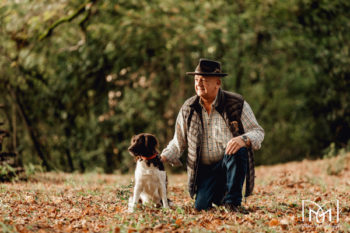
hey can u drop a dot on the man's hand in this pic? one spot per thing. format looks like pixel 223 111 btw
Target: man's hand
pixel 163 159
pixel 234 145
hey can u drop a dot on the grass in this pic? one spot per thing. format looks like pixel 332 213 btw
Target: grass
pixel 55 202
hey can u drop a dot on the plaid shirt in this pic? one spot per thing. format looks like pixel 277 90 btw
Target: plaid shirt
pixel 216 135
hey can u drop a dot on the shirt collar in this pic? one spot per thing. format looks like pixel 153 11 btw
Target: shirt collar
pixel 212 104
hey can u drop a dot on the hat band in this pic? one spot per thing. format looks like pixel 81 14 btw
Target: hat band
pixel 215 71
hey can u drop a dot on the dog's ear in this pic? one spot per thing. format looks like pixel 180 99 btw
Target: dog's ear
pixel 150 141
pixel 142 140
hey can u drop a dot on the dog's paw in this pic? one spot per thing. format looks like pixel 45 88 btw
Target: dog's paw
pixel 166 204
pixel 131 208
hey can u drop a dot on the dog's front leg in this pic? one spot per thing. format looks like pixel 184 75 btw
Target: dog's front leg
pixel 163 189
pixel 136 198
pixel 164 198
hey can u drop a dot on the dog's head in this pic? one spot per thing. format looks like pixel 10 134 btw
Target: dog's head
pixel 143 144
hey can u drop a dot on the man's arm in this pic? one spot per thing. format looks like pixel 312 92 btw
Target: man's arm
pixel 253 131
pixel 177 145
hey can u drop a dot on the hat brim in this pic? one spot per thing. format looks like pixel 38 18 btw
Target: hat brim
pixel 207 74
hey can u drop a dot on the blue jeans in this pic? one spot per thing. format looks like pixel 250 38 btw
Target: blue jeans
pixel 222 182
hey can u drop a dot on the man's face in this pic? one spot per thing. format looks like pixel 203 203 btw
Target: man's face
pixel 206 87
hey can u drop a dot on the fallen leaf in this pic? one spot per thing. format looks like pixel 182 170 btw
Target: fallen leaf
pixel 178 221
pixel 68 229
pixel 284 224
pixel 159 226
pixel 273 222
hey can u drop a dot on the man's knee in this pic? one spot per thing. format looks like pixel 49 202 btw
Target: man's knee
pixel 243 151
pixel 242 156
pixel 203 202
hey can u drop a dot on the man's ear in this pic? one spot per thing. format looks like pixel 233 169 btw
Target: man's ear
pixel 218 81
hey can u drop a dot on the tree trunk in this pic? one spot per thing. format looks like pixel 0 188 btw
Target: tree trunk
pixel 109 160
pixel 14 135
pixel 70 160
pixel 10 112
pixel 32 132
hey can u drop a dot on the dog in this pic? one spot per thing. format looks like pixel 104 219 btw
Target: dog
pixel 150 176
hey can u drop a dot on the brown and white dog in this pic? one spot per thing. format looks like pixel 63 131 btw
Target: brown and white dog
pixel 150 176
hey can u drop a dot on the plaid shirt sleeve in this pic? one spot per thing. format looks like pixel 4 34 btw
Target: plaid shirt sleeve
pixel 178 144
pixel 251 127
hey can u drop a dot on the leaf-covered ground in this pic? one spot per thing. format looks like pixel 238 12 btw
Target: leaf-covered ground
pixel 53 202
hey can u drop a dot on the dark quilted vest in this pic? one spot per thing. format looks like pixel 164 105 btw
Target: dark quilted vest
pixel 229 103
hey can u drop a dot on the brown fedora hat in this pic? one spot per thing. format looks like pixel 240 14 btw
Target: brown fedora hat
pixel 208 67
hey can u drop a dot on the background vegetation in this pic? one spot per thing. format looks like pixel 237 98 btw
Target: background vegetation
pixel 78 79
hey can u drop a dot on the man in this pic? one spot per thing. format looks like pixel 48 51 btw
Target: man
pixel 219 130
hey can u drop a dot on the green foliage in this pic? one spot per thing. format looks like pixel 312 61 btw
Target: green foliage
pixel 338 165
pixel 337 159
pixel 31 169
pixel 5 170
pixel 330 151
pixel 86 76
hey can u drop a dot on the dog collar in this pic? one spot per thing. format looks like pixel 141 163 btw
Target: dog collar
pixel 149 158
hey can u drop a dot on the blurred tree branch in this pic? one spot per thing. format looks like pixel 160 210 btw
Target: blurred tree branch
pixel 86 7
